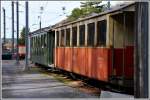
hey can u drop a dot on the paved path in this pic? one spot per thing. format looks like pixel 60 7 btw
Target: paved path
pixel 16 83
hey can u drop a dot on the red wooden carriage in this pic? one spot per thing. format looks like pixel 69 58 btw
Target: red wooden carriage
pixel 99 47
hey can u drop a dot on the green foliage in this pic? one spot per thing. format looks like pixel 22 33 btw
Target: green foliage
pixel 76 13
pixel 85 9
pixel 90 3
pixel 22 37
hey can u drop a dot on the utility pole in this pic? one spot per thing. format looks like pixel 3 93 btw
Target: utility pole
pixel 41 10
pixel 0 40
pixel 12 27
pixel 26 35
pixel 108 4
pixel 4 16
pixel 17 16
pixel 141 84
pixel 0 50
pixel 40 21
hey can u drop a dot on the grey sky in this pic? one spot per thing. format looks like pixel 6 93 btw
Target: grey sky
pixel 52 13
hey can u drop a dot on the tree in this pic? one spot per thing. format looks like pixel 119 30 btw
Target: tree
pixel 22 37
pixel 76 13
pixel 90 3
pixel 85 9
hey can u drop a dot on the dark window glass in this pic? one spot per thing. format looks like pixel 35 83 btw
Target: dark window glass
pixel 81 35
pixel 91 33
pixel 41 39
pixel 35 41
pixel 68 37
pixel 57 34
pixel 36 44
pixel 31 42
pixel 33 45
pixel 39 44
pixel 62 38
pixel 74 36
pixel 38 40
pixel 101 33
pixel 44 40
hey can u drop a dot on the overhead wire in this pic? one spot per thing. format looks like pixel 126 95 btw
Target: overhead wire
pixel 56 17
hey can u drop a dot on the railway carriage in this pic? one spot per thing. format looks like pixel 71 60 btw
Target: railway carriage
pixel 42 44
pixel 22 51
pixel 100 47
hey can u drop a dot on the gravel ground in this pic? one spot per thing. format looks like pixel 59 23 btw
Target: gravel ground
pixel 17 83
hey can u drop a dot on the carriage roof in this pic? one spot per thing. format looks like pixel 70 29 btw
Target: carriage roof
pixel 42 30
pixel 114 9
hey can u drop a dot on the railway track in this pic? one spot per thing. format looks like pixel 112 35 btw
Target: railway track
pixel 86 82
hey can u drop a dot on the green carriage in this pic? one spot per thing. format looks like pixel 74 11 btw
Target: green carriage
pixel 42 46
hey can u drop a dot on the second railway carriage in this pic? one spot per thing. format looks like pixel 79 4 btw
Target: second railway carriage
pixel 99 47
pixel 42 44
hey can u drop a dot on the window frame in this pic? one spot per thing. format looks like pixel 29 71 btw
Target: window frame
pixel 74 36
pixel 82 33
pixel 62 39
pixel 101 37
pixel 68 34
pixel 90 42
pixel 57 38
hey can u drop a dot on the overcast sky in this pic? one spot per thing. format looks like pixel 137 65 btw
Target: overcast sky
pixel 52 13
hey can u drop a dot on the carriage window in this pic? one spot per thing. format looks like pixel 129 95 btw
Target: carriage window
pixel 35 42
pixel 68 37
pixel 33 45
pixel 32 42
pixel 81 35
pixel 101 33
pixel 62 38
pixel 39 46
pixel 74 36
pixel 39 43
pixel 36 45
pixel 41 39
pixel 91 32
pixel 44 41
pixel 57 34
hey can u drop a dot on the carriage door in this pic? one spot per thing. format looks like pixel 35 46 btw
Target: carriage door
pixel 51 47
pixel 123 46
